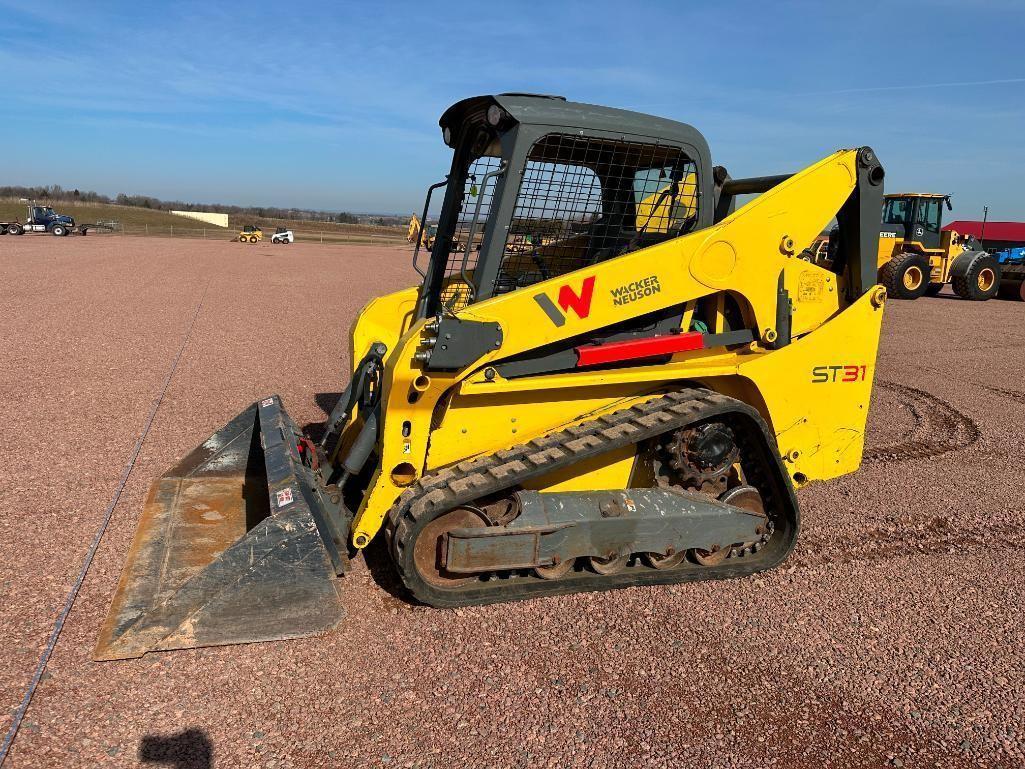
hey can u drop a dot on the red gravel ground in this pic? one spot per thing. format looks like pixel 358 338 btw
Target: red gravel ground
pixel 893 636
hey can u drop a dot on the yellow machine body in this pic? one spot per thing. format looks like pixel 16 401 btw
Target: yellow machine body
pixel 814 392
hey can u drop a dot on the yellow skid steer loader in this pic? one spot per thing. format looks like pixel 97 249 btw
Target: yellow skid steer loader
pixel 628 396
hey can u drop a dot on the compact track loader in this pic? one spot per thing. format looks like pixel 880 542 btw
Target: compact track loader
pixel 628 395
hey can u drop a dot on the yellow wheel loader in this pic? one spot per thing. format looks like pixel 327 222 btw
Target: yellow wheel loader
pixel 918 257
pixel 633 402
pixel 419 235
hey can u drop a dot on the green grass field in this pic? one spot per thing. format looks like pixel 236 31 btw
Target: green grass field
pixel 145 221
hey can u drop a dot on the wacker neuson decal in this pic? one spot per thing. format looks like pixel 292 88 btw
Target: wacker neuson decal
pixel 635 290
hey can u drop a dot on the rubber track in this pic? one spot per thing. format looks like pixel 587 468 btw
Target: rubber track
pixel 939 429
pixel 472 480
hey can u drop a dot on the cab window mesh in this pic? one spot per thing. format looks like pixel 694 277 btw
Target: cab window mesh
pixel 584 200
pixel 455 293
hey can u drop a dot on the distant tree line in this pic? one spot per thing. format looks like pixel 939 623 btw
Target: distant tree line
pixel 54 193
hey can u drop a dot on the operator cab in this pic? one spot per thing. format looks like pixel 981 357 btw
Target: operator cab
pixel 540 187
pixel 915 217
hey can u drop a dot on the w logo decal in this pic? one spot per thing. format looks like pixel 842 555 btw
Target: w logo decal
pixel 568 299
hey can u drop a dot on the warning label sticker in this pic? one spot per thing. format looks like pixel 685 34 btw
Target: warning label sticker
pixel 284 497
pixel 267 402
pixel 811 286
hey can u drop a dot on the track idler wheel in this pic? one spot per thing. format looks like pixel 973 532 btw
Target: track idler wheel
pixel 556 570
pixel 429 550
pixel 606 566
pixel 668 560
pixel 710 557
pixel 746 498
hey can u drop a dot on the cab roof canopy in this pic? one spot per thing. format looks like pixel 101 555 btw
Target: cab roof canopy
pixel 539 109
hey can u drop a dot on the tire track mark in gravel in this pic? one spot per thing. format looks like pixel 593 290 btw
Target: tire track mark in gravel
pixel 936 536
pixel 939 428
pixel 1014 395
pixel 902 356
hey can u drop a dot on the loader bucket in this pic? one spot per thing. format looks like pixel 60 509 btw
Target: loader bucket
pixel 232 547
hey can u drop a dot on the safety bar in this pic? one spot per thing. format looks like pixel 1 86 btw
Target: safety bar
pixel 473 225
pixel 423 226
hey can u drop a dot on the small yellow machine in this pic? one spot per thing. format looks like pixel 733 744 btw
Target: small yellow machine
pixel 416 232
pixel 629 396
pixel 250 234
pixel 422 236
pixel 918 257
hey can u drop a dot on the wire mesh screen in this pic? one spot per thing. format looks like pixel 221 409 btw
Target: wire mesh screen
pixel 583 200
pixel 478 195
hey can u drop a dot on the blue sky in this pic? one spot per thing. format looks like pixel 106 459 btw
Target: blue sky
pixel 335 105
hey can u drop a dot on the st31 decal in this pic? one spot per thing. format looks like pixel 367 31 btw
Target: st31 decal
pixel 825 374
pixel 579 301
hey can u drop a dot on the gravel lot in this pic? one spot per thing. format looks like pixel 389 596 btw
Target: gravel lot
pixel 892 638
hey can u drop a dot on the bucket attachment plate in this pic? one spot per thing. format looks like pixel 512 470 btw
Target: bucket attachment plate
pixel 234 545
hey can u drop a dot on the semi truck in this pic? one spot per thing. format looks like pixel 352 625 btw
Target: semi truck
pixel 43 219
